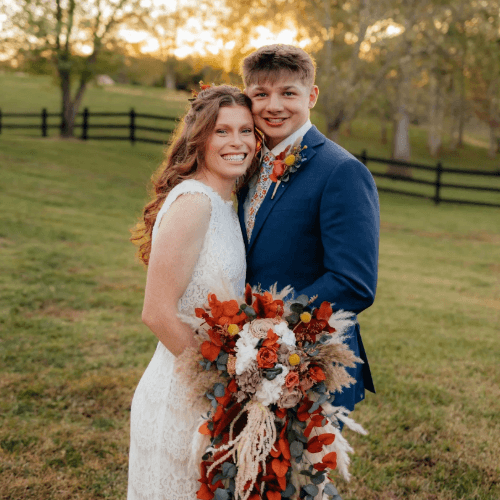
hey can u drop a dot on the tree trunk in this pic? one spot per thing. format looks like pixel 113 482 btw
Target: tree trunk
pixel 401 129
pixel 383 130
pixel 458 114
pixel 170 81
pixel 170 74
pixel 333 124
pixel 67 125
pixel 70 107
pixel 434 139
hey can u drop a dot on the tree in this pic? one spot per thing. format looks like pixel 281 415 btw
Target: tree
pixel 484 70
pixel 66 30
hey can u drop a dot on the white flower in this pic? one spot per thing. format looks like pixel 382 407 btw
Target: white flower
pixel 269 391
pixel 286 335
pixel 246 337
pixel 245 354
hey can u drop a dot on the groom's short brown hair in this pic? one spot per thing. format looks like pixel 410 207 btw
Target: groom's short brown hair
pixel 271 61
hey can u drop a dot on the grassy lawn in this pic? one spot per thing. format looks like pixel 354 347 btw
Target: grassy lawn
pixel 73 347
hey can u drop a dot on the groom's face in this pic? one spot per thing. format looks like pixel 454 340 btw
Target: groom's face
pixel 281 107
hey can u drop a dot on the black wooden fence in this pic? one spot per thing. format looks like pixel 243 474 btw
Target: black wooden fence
pixel 85 125
pixel 434 179
pixel 86 122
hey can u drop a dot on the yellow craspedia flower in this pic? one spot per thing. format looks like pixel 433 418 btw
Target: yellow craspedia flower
pixel 290 160
pixel 233 329
pixel 294 359
pixel 305 317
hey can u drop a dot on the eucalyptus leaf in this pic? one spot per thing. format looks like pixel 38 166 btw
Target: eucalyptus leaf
pixel 291 436
pixel 210 396
pixel 302 299
pixel 311 489
pixel 296 449
pixel 217 477
pixel 330 489
pixel 313 353
pixel 293 318
pixel 301 437
pixel 272 373
pixel 317 479
pixel 322 398
pixel 314 407
pixel 290 490
pixel 323 339
pixel 219 390
pixel 305 473
pixel 222 358
pixel 221 494
pixel 232 486
pixel 320 388
pixel 298 308
pixel 228 469
pixel 214 403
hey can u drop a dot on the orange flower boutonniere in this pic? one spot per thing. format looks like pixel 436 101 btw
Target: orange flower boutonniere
pixel 286 163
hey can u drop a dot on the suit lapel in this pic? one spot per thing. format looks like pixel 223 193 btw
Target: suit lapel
pixel 312 139
pixel 242 195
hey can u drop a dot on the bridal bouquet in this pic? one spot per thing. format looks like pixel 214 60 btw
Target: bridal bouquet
pixel 267 371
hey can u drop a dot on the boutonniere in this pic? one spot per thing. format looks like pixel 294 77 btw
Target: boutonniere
pixel 286 163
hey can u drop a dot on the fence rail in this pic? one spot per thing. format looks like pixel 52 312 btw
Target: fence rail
pixel 435 179
pixel 433 174
pixel 85 124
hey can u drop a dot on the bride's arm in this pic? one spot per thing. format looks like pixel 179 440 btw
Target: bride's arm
pixel 177 246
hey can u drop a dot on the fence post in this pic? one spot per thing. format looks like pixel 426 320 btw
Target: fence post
pixel 85 123
pixel 44 122
pixel 132 126
pixel 364 157
pixel 439 170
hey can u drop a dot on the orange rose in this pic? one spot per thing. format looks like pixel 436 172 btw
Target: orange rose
pixel 316 373
pixel 266 358
pixel 292 379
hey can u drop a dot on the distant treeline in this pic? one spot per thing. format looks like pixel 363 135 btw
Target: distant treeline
pixel 180 74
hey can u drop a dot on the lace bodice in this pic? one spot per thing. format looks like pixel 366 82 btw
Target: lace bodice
pixel 163 421
pixel 223 252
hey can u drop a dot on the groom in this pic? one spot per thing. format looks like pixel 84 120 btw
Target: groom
pixel 320 231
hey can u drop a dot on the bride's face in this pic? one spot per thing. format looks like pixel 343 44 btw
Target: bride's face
pixel 231 146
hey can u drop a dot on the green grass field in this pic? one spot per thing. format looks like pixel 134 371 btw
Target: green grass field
pixel 73 348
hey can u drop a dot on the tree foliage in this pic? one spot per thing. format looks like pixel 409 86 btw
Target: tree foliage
pixel 72 34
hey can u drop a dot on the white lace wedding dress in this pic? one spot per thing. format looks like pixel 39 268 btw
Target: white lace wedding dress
pixel 163 422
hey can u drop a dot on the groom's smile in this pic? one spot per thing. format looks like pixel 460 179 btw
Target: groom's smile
pixel 281 107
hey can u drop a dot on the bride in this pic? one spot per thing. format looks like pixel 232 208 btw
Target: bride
pixel 189 239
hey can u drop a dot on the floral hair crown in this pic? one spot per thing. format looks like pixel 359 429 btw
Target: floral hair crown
pixel 203 86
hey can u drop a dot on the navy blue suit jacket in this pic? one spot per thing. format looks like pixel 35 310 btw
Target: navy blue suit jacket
pixel 320 234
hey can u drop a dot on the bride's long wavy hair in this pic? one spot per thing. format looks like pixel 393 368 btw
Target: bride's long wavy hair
pixel 185 155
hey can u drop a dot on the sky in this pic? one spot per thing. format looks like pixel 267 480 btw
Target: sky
pixel 192 41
